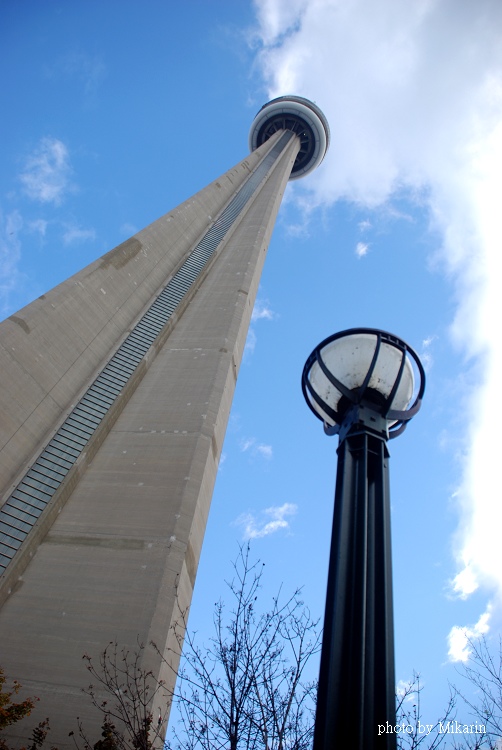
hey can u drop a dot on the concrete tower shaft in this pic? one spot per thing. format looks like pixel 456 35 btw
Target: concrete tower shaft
pixel 116 387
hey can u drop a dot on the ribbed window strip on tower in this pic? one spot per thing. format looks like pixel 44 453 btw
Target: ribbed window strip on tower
pixel 31 496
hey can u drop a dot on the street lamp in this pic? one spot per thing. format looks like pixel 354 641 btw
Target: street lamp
pixel 365 385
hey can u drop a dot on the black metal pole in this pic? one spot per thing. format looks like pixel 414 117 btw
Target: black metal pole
pixel 356 696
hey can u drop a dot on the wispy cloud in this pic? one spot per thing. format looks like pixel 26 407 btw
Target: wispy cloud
pixel 362 249
pixel 39 226
pixel 247 443
pixel 46 172
pixel 128 229
pixel 261 311
pixel 89 70
pixel 251 340
pixel 380 72
pixel 254 448
pixel 267 522
pixel 73 234
pixel 264 450
pixel 426 354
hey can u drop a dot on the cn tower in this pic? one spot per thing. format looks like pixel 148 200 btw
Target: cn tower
pixel 115 391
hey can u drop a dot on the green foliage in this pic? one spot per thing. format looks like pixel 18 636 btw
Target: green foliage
pixel 39 735
pixel 109 741
pixel 11 713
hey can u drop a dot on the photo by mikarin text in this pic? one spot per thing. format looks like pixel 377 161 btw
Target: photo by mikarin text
pixel 446 727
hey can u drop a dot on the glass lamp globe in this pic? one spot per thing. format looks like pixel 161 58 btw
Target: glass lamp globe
pixel 363 366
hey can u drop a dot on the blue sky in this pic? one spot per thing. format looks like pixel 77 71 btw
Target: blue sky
pixel 113 113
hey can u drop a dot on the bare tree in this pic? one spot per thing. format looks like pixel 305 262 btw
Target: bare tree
pixel 481 697
pixel 246 689
pixel 415 732
pixel 128 722
pixel 483 673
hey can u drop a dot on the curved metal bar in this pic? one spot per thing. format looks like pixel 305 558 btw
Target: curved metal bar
pixel 331 429
pixel 397 381
pixel 334 380
pixel 371 369
pixel 397 429
pixel 405 416
pixel 319 401
pixel 307 386
pixel 415 407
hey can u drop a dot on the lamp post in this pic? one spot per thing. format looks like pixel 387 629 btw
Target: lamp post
pixel 365 385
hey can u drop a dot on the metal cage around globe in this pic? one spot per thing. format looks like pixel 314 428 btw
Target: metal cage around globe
pixel 364 366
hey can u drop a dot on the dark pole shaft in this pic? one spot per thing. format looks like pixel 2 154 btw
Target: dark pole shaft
pixel 356 697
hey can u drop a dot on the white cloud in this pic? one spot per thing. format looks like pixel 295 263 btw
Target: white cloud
pixel 465 583
pixel 46 172
pixel 255 448
pixel 89 70
pixel 264 450
pixel 250 344
pixel 402 691
pixel 362 249
pixel 413 94
pixel 128 229
pixel 262 311
pixel 74 234
pixel 428 341
pixel 247 443
pixel 268 522
pixel 426 355
pixel 460 638
pixel 39 226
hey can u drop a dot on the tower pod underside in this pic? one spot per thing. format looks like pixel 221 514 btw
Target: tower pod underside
pixel 301 116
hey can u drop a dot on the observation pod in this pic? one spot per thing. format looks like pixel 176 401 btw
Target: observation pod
pixel 301 116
